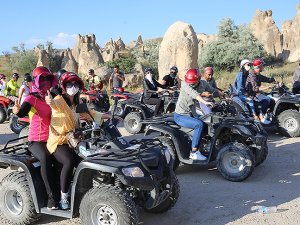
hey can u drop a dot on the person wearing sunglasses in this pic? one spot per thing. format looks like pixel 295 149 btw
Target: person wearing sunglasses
pixel 39 113
pixel 65 119
pixel 151 96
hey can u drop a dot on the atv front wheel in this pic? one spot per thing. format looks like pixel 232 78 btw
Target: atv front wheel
pixel 16 202
pixel 3 115
pixel 132 123
pixel 169 144
pixel 289 123
pixel 14 125
pixel 170 201
pixel 108 205
pixel 235 162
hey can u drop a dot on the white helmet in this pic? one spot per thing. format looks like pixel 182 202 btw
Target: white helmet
pixel 244 61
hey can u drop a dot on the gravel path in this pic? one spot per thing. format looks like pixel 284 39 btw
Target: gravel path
pixel 207 198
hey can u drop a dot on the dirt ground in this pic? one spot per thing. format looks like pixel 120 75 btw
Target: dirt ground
pixel 207 198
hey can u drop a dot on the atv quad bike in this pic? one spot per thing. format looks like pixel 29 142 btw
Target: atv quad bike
pixel 284 112
pixel 107 185
pixel 137 111
pixel 234 142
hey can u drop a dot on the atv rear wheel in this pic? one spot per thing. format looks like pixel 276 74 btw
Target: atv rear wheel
pixel 3 115
pixel 235 162
pixel 289 123
pixel 14 125
pixel 170 201
pixel 118 110
pixel 167 142
pixel 108 205
pixel 132 123
pixel 16 202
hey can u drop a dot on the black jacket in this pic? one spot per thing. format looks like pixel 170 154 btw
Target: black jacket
pixel 150 89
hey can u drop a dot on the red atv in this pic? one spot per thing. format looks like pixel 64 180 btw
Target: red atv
pixel 99 100
pixel 6 105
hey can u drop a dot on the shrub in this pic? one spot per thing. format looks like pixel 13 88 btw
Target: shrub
pixel 234 43
pixel 126 64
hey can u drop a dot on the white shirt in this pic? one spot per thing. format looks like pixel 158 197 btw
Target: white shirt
pixel 2 87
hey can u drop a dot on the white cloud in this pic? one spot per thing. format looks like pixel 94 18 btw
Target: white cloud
pixel 61 40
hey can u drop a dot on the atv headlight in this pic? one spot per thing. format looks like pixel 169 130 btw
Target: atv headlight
pixel 132 172
pixel 242 129
pixel 167 154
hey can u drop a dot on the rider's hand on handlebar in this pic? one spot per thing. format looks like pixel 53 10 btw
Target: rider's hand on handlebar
pixel 211 104
pixel 206 94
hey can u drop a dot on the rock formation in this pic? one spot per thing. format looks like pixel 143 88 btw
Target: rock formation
pixel 68 61
pixel 204 39
pixel 291 38
pixel 265 30
pixel 43 57
pixel 179 47
pixel 87 53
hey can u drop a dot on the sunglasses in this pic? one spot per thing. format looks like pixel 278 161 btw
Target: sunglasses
pixel 46 78
pixel 70 85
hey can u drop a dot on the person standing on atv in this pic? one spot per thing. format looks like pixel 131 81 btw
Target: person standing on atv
pixel 239 85
pixel 65 119
pixel 254 88
pixel 116 80
pixel 40 115
pixel 24 90
pixel 169 81
pixel 191 89
pixel 2 84
pixel 296 80
pixel 12 86
pixel 151 96
pixel 93 80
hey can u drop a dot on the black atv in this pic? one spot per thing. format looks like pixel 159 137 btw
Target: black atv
pixel 230 139
pixel 137 111
pixel 284 111
pixel 107 186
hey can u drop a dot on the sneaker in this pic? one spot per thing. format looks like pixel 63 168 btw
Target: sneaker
pixel 64 204
pixel 51 204
pixel 197 156
pixel 265 121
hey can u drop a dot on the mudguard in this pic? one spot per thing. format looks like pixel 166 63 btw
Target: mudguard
pixel 287 101
pixel 31 175
pixel 138 107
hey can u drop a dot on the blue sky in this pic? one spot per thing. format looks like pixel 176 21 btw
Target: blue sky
pixel 33 21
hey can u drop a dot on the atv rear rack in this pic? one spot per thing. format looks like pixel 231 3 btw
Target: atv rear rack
pixel 14 148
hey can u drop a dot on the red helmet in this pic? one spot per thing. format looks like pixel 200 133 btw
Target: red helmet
pixel 209 70
pixel 192 76
pixel 120 89
pixel 69 77
pixel 41 71
pixel 258 62
pixel 2 76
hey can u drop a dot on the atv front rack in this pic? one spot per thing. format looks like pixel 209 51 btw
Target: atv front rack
pixel 15 148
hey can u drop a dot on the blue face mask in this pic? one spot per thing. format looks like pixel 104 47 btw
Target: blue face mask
pixel 173 75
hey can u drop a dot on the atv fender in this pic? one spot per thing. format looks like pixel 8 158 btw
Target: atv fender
pixel 180 139
pixel 138 107
pixel 31 175
pixel 289 103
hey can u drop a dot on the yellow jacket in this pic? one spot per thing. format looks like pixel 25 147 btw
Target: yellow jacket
pixel 63 120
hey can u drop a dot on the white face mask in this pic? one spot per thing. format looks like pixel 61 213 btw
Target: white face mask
pixel 149 76
pixel 72 91
pixel 247 67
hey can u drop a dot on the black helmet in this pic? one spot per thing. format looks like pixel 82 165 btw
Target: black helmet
pixel 91 71
pixel 15 75
pixel 27 78
pixel 148 69
pixel 60 73
pixel 174 68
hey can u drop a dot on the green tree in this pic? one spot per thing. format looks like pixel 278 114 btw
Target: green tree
pixel 126 64
pixel 22 59
pixel 234 43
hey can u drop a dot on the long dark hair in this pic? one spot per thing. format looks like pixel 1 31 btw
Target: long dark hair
pixel 76 99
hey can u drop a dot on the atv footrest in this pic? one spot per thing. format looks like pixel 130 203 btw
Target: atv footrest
pixel 57 212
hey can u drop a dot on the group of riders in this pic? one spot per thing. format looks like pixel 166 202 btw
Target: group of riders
pixel 50 101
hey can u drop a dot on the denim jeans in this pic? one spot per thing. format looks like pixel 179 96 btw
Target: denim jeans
pixel 190 122
pixel 249 101
pixel 265 101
